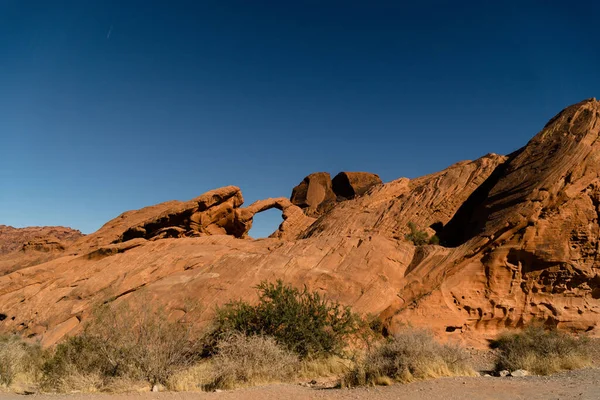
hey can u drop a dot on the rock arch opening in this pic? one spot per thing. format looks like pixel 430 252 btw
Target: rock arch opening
pixel 265 223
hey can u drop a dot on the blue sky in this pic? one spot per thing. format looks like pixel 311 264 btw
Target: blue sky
pixel 107 106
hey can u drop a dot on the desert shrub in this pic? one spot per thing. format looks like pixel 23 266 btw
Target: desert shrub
pixel 541 351
pixel 77 364
pixel 418 237
pixel 19 357
pixel 303 321
pixel 121 344
pixel 408 356
pixel 248 360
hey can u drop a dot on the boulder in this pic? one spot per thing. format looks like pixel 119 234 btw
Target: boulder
pixel 314 194
pixel 347 185
pixel 519 373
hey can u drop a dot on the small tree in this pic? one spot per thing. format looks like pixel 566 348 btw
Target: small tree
pixel 303 321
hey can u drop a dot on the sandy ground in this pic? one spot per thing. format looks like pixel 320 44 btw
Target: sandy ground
pixel 581 384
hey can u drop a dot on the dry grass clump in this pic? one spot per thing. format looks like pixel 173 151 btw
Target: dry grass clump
pixel 324 367
pixel 120 345
pixel 19 359
pixel 541 351
pixel 249 360
pixel 408 356
pixel 193 378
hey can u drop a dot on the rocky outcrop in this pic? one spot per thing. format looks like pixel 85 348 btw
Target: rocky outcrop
pixel 527 247
pixel 216 212
pixel 347 185
pixel 294 220
pixel 212 213
pixel 317 193
pixel 314 195
pixel 23 247
pixel 46 245
pixel 12 239
pixel 519 239
pixel 430 202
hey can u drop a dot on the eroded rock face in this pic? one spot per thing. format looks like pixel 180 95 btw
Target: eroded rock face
pixel 528 249
pixel 314 194
pixel 12 239
pixel 23 247
pixel 347 185
pixel 317 193
pixel 519 242
pixel 294 220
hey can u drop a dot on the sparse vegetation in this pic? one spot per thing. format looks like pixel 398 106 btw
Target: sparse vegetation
pixel 418 237
pixel 245 360
pixel 19 358
pixel 303 321
pixel 541 351
pixel 405 357
pixel 333 366
pixel 289 334
pixel 120 344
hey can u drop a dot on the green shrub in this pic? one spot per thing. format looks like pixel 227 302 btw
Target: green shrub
pixel 541 351
pixel 303 321
pixel 418 237
pixel 250 360
pixel 408 356
pixel 19 357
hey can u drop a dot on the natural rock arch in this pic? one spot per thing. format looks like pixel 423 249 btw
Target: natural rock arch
pixel 294 220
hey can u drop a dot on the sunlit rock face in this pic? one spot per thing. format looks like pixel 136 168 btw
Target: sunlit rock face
pixel 518 242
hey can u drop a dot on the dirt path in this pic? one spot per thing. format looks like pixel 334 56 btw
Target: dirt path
pixel 582 384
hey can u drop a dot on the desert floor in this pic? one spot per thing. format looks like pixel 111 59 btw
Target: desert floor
pixel 581 384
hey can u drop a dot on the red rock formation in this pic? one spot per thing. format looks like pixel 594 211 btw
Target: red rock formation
pixel 22 247
pixel 347 185
pixel 294 220
pixel 519 242
pixel 12 239
pixel 317 193
pixel 314 194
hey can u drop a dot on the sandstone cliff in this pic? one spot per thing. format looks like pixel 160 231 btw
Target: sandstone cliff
pixel 519 237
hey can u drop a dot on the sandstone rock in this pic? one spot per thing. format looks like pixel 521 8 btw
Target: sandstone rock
pixel 429 201
pixel 528 242
pixel 314 194
pixel 503 373
pixel 520 237
pixel 519 373
pixel 23 247
pixel 294 220
pixel 46 245
pixel 347 185
pixel 12 239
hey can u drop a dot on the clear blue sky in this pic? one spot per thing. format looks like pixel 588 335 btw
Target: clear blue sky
pixel 107 106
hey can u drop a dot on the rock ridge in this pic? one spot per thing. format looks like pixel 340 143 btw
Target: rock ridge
pixel 519 240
